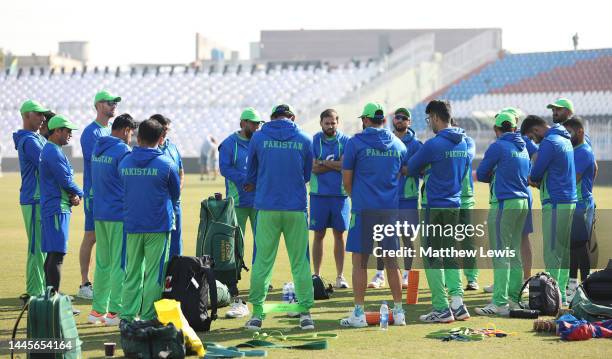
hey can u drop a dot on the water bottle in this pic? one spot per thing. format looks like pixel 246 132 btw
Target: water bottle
pixel 384 316
pixel 291 293
pixel 286 293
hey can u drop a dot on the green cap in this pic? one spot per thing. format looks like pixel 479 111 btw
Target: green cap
pixel 32 106
pixel 370 110
pixel 403 111
pixel 282 108
pixel 59 121
pixel 105 96
pixel 512 110
pixel 562 103
pixel 250 114
pixel 502 117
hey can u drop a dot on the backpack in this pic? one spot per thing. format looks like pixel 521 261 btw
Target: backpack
pixel 322 289
pixel 220 237
pixel 50 316
pixel 151 339
pixel 544 294
pixel 593 298
pixel 189 281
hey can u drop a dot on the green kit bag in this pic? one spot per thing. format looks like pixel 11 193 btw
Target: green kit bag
pixel 220 237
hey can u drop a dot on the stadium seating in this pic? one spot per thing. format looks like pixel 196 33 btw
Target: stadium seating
pixel 531 81
pixel 198 102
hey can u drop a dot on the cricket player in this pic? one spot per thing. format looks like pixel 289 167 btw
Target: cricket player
pixel 105 105
pixel 583 219
pixel 371 171
pixel 278 167
pixel 408 192
pixel 152 187
pixel 233 153
pixel 58 193
pixel 554 173
pixel 329 205
pixel 29 143
pixel 443 160
pixel 169 149
pixel 505 167
pixel 108 215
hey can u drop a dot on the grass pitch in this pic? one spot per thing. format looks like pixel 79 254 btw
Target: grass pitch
pixel 397 342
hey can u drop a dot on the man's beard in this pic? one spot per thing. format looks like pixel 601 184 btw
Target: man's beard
pixel 329 133
pixel 397 129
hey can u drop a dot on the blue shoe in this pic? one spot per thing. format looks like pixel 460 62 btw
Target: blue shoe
pixel 461 313
pixel 438 316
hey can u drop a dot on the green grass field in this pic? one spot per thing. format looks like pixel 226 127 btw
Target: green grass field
pixel 397 342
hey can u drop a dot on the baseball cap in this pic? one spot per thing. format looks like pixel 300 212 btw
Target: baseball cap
pixel 59 121
pixel 250 114
pixel 562 103
pixel 511 110
pixel 278 109
pixel 32 106
pixel 106 96
pixel 403 111
pixel 502 117
pixel 370 109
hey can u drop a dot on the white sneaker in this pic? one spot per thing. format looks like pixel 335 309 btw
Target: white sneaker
pixel 438 316
pixel 378 281
pixel 488 289
pixel 112 320
pixel 354 321
pixel 341 283
pixel 512 305
pixel 95 317
pixel 570 292
pixel 405 280
pixel 85 291
pixel 238 309
pixel 399 317
pixel 492 309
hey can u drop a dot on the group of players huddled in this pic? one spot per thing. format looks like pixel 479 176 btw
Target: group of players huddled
pixel 132 205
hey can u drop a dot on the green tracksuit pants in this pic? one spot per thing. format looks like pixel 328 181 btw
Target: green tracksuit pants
pixel 470 266
pixel 35 263
pixel 504 232
pixel 556 229
pixel 109 275
pixel 242 213
pixel 147 256
pixel 441 273
pixel 294 227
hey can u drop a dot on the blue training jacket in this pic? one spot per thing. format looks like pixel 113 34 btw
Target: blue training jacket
pixel 233 152
pixel 506 166
pixel 169 149
pixel 107 185
pixel 279 165
pixel 375 156
pixel 89 137
pixel 584 161
pixel 409 185
pixel 152 188
pixel 56 181
pixel 28 145
pixel 444 160
pixel 330 149
pixel 554 167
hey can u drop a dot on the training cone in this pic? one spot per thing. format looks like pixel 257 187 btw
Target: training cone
pixel 373 318
pixel 412 292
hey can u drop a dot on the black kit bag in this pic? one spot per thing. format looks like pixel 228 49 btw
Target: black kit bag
pixel 544 294
pixel 189 281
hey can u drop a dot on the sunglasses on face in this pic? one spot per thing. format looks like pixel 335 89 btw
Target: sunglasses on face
pixel 402 117
pixel 110 103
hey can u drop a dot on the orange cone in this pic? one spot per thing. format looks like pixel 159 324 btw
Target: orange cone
pixel 412 292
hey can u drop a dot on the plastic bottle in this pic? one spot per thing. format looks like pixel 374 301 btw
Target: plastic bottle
pixel 286 298
pixel 384 316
